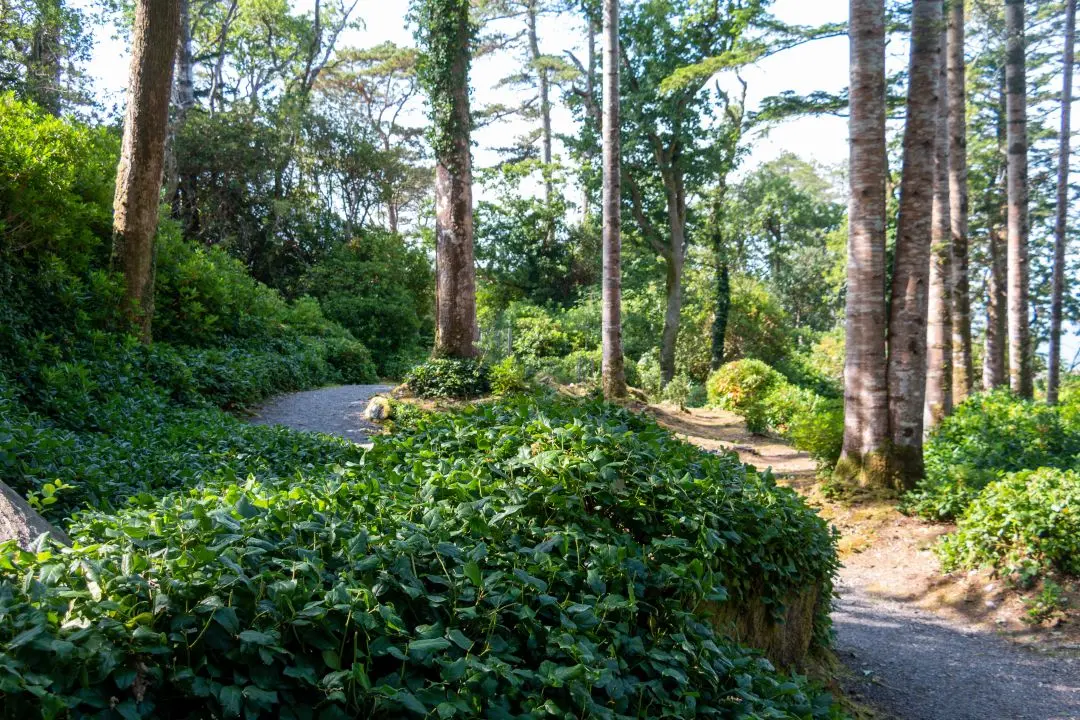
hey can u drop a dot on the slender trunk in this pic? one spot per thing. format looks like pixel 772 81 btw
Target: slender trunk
pixel 456 329
pixel 613 373
pixel 544 87
pixel 1016 115
pixel 962 371
pixel 142 154
pixel 673 287
pixel 720 318
pixel 590 94
pixel 183 100
pixel 865 390
pixel 995 368
pixel 938 403
pixel 908 313
pixel 1057 291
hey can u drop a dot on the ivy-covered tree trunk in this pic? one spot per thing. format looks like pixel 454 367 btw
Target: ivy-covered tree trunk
pixel 908 312
pixel 1057 291
pixel 866 424
pixel 142 154
pixel 962 370
pixel 21 523
pixel 1020 377
pixel 445 35
pixel 939 301
pixel 613 374
pixel 723 308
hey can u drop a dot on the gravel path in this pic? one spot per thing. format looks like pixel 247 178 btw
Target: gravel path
pixel 915 666
pixel 334 410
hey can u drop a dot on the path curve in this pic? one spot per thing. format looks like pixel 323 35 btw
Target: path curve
pixel 337 410
pixel 906 662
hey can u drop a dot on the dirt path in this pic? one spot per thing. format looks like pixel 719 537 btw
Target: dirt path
pixel 334 410
pixel 919 646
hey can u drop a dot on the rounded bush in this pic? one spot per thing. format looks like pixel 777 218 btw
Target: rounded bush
pixel 449 378
pixel 1027 518
pixel 743 387
pixel 986 436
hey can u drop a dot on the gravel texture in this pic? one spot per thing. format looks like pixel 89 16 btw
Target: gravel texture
pixel 912 665
pixel 334 410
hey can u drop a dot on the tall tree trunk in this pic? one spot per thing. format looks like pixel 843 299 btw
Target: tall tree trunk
pixel 21 523
pixel 865 390
pixel 939 378
pixel 142 153
pixel 456 330
pixel 1057 292
pixel 613 374
pixel 995 366
pixel 962 370
pixel 675 259
pixel 723 309
pixel 1020 377
pixel 907 321
pixel 544 87
pixel 183 99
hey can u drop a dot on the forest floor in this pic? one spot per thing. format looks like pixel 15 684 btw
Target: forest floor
pixel 915 644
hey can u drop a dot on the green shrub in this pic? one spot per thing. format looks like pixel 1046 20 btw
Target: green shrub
pixel 743 387
pixel 449 378
pixel 678 391
pixel 351 360
pixel 650 377
pixel 1032 516
pixel 508 377
pixel 380 290
pixel 758 328
pixel 483 564
pixel 986 436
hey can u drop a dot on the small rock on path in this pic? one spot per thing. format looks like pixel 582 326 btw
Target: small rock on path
pixel 335 410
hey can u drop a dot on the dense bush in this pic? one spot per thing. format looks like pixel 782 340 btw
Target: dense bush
pixel 987 436
pixel 1026 519
pixel 758 328
pixel 380 290
pixel 743 387
pixel 515 560
pixel 508 377
pixel 449 378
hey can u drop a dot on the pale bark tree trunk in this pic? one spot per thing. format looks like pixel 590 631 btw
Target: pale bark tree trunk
pixel 865 390
pixel 962 371
pixel 995 367
pixel 142 154
pixel 544 87
pixel 938 403
pixel 613 373
pixel 908 313
pixel 1020 377
pixel 456 329
pixel 1057 292
pixel 183 99
pixel 21 523
pixel 676 257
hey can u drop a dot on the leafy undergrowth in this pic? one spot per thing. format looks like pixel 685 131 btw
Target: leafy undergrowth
pixel 988 436
pixel 521 559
